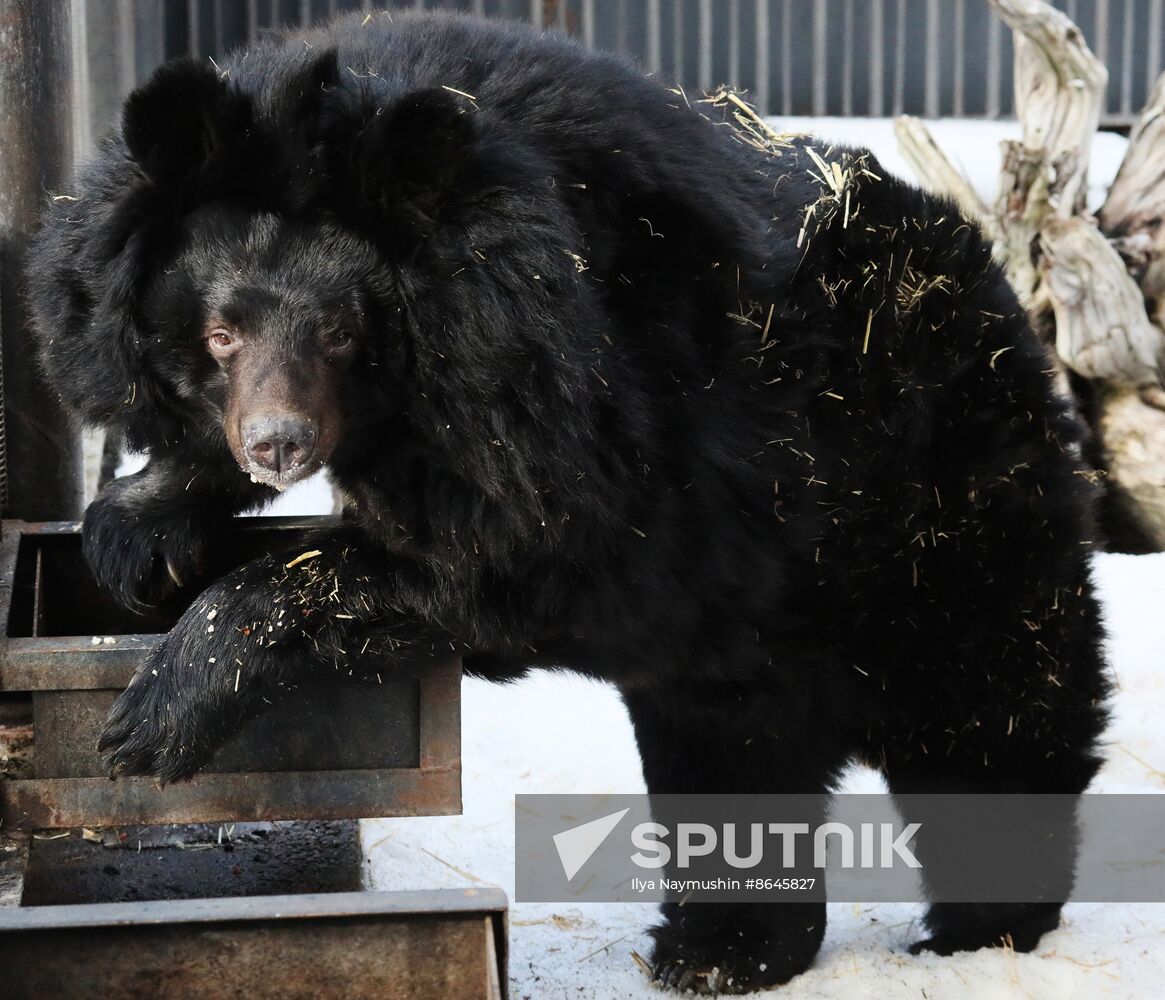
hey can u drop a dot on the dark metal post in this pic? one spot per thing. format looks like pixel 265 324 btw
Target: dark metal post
pixel 40 470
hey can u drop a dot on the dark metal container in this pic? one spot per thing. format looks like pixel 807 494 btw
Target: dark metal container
pixel 336 750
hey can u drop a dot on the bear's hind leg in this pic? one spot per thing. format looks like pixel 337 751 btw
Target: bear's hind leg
pixel 1013 708
pixel 1023 844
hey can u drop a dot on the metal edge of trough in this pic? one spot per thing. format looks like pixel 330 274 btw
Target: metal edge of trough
pixel 398 902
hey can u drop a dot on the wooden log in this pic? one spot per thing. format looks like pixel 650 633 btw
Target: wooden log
pixel 1102 330
pixel 1059 93
pixel 1134 211
pixel 1132 433
pixel 1136 200
pixel 1020 209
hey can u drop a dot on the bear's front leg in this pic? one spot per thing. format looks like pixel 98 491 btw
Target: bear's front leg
pixel 723 739
pixel 250 634
pixel 147 534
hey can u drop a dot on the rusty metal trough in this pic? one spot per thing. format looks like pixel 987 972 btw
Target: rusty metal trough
pixel 333 750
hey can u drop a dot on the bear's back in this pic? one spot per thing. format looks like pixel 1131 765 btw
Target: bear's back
pixel 598 122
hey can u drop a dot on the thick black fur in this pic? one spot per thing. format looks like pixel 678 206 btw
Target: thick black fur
pixel 797 482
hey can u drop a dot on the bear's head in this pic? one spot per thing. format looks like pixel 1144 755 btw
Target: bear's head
pixel 281 336
pixel 300 268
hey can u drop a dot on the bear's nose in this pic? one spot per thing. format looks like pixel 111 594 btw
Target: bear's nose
pixel 280 442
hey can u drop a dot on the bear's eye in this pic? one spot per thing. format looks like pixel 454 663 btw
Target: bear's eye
pixel 222 342
pixel 338 342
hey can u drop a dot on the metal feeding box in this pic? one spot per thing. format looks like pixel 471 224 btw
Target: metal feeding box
pixel 336 750
pixel 331 751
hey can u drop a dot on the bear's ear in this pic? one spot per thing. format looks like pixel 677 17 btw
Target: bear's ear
pixel 185 115
pixel 413 154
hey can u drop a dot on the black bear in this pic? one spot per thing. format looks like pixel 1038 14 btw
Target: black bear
pixel 611 380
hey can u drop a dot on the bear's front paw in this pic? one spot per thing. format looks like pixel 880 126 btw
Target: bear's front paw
pixel 157 727
pixel 181 705
pixel 140 554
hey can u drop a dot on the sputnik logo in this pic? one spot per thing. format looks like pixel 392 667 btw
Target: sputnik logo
pixel 576 845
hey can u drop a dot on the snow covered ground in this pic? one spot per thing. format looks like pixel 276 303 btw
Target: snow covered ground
pixel 556 733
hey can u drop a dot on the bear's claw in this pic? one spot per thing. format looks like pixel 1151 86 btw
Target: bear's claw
pixel 142 557
pixel 678 975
